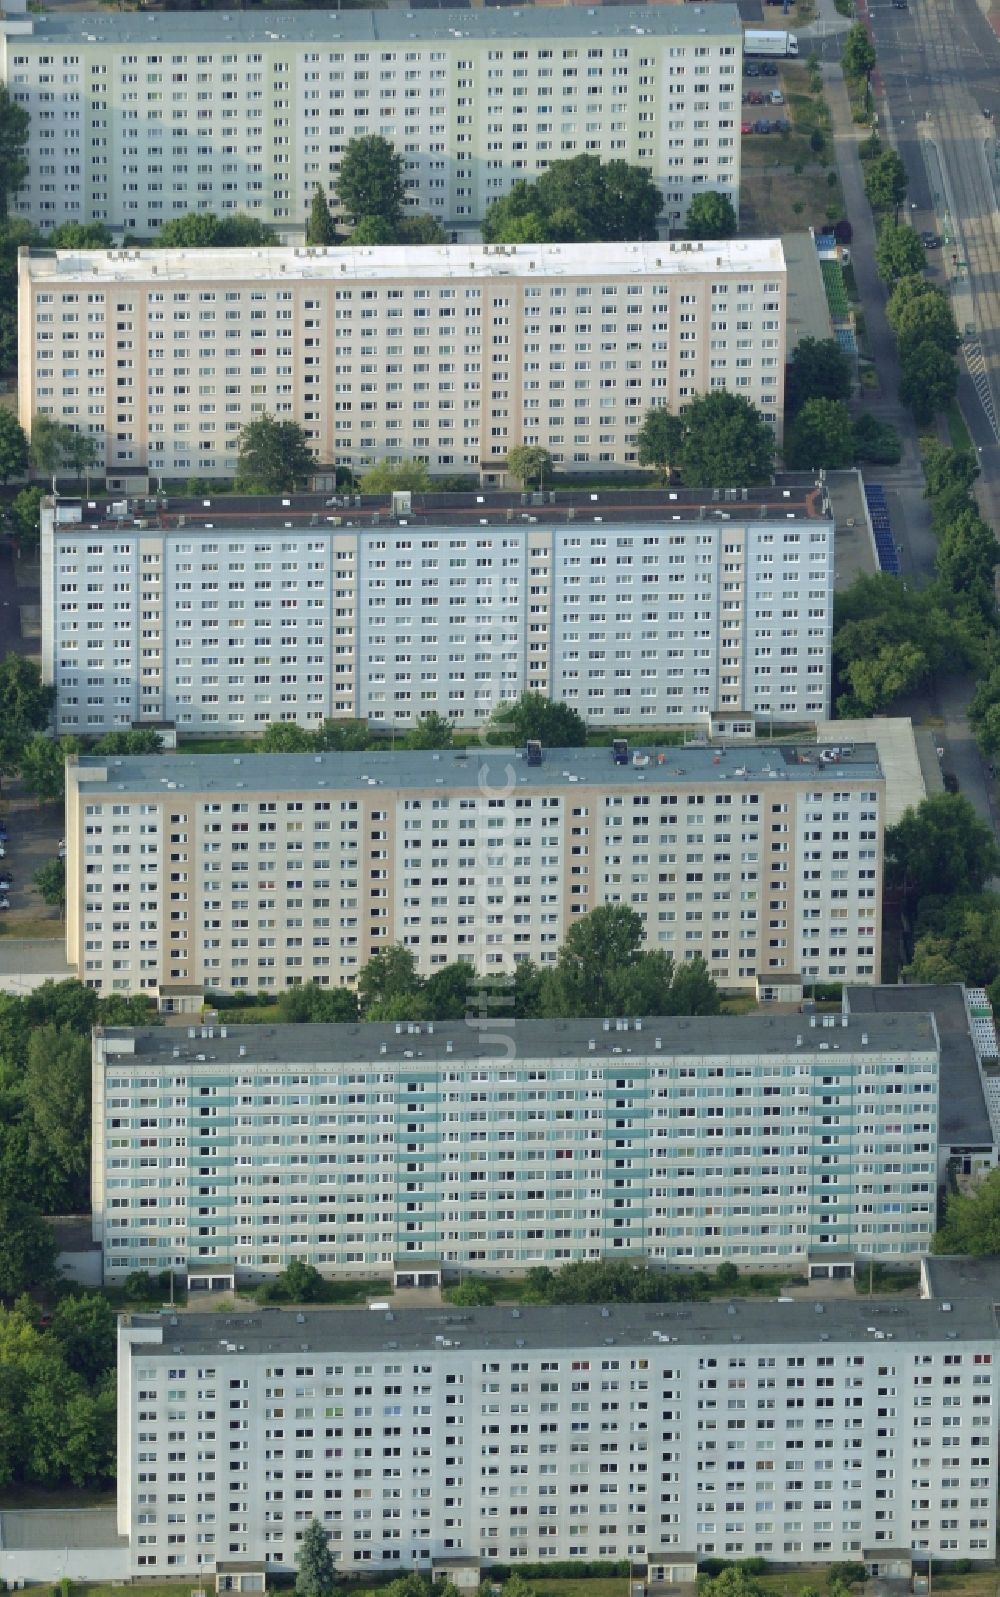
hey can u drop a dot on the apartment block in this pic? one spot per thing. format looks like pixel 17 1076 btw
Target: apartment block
pixel 189 873
pixel 451 353
pixel 138 122
pixel 224 1154
pixel 796 1432
pixel 227 625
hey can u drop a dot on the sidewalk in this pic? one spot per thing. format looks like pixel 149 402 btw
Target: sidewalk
pixel 907 477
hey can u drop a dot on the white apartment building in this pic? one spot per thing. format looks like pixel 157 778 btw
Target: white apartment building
pixel 797 1432
pixel 225 1153
pixel 188 873
pixel 452 353
pixel 160 114
pixel 219 625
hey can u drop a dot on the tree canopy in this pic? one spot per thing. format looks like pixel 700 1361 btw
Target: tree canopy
pixel 13 447
pixel 727 442
pixel 556 725
pixel 25 707
pixel 711 215
pixel 886 182
pixel 317 1573
pixel 818 369
pixel 822 435
pixel 661 441
pixel 578 200
pixel 941 846
pixel 370 181
pixel 202 230
pixel 320 228
pixel 899 251
pixel 928 379
pixel 274 456
pixel 971 1221
pixel 858 52
pixel 603 969
pixel 15 124
pixel 528 463
pixel 396 476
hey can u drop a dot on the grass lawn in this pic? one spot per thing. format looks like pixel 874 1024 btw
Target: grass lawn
pixel 958 432
pixel 218 745
pixel 21 925
pixel 775 197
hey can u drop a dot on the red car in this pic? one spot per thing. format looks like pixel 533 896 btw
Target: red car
pixel 746 127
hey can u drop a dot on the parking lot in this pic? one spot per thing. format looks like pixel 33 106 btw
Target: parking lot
pixel 33 833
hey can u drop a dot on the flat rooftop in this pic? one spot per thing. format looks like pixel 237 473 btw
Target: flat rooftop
pixel 474 770
pixel 952 1275
pixel 963 1119
pixel 411 263
pixel 571 1327
pixel 262 28
pixel 439 1042
pixel 772 505
pixel 55 1529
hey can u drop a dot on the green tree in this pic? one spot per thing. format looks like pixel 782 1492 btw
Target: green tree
pixel 56 1092
pixel 372 230
pixel 528 463
pixel 858 53
pixel 200 230
pixel 554 724
pixel 421 229
pixel 899 251
pixel 946 469
pixel 137 740
pixel 286 737
pixel 28 1255
pixel 727 442
pixel 403 475
pixel 274 455
pixel 25 516
pixel 577 200
pixel 85 1328
pixel 919 313
pixel 597 946
pixel 449 993
pixel 661 441
pixel 80 236
pixel 822 435
pixel 26 705
pixel 42 766
pixel 472 1293
pixel 711 215
pixel 310 1002
pixel 13 447
pixel 132 1009
pixel 81 452
pixel 972 1221
pixel 967 556
pixel 876 441
pixel 320 228
pixel 940 847
pixel 932 962
pixel 432 731
pixel 48 445
pixel 316 1575
pixel 370 181
pixel 928 380
pixel 388 975
pixel 886 182
pixel 875 680
pixel 50 880
pixel 240 231
pixel 818 369
pixel 14 125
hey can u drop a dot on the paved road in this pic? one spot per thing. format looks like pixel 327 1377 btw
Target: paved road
pixel 939 67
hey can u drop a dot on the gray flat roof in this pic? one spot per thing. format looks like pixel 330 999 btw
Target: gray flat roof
pixel 963 1117
pixel 36 956
pixel 656 508
pixel 381 27
pixel 477 770
pixel 951 1275
pixel 572 1326
pixel 808 311
pixel 428 1045
pixel 25 1529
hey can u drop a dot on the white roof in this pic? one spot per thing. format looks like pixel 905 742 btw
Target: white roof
pixel 410 262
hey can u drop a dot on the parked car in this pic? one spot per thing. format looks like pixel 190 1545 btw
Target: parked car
pixel 782 125
pixel 746 127
pixel 768 69
pixel 777 98
pixel 4 902
pixel 752 69
pixel 930 241
pixel 762 125
pixel 6 881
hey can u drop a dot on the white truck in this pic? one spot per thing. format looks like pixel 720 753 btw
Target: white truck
pixel 757 41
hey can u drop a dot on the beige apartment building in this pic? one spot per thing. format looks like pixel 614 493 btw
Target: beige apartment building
pixel 140 117
pixel 452 354
pixel 195 873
